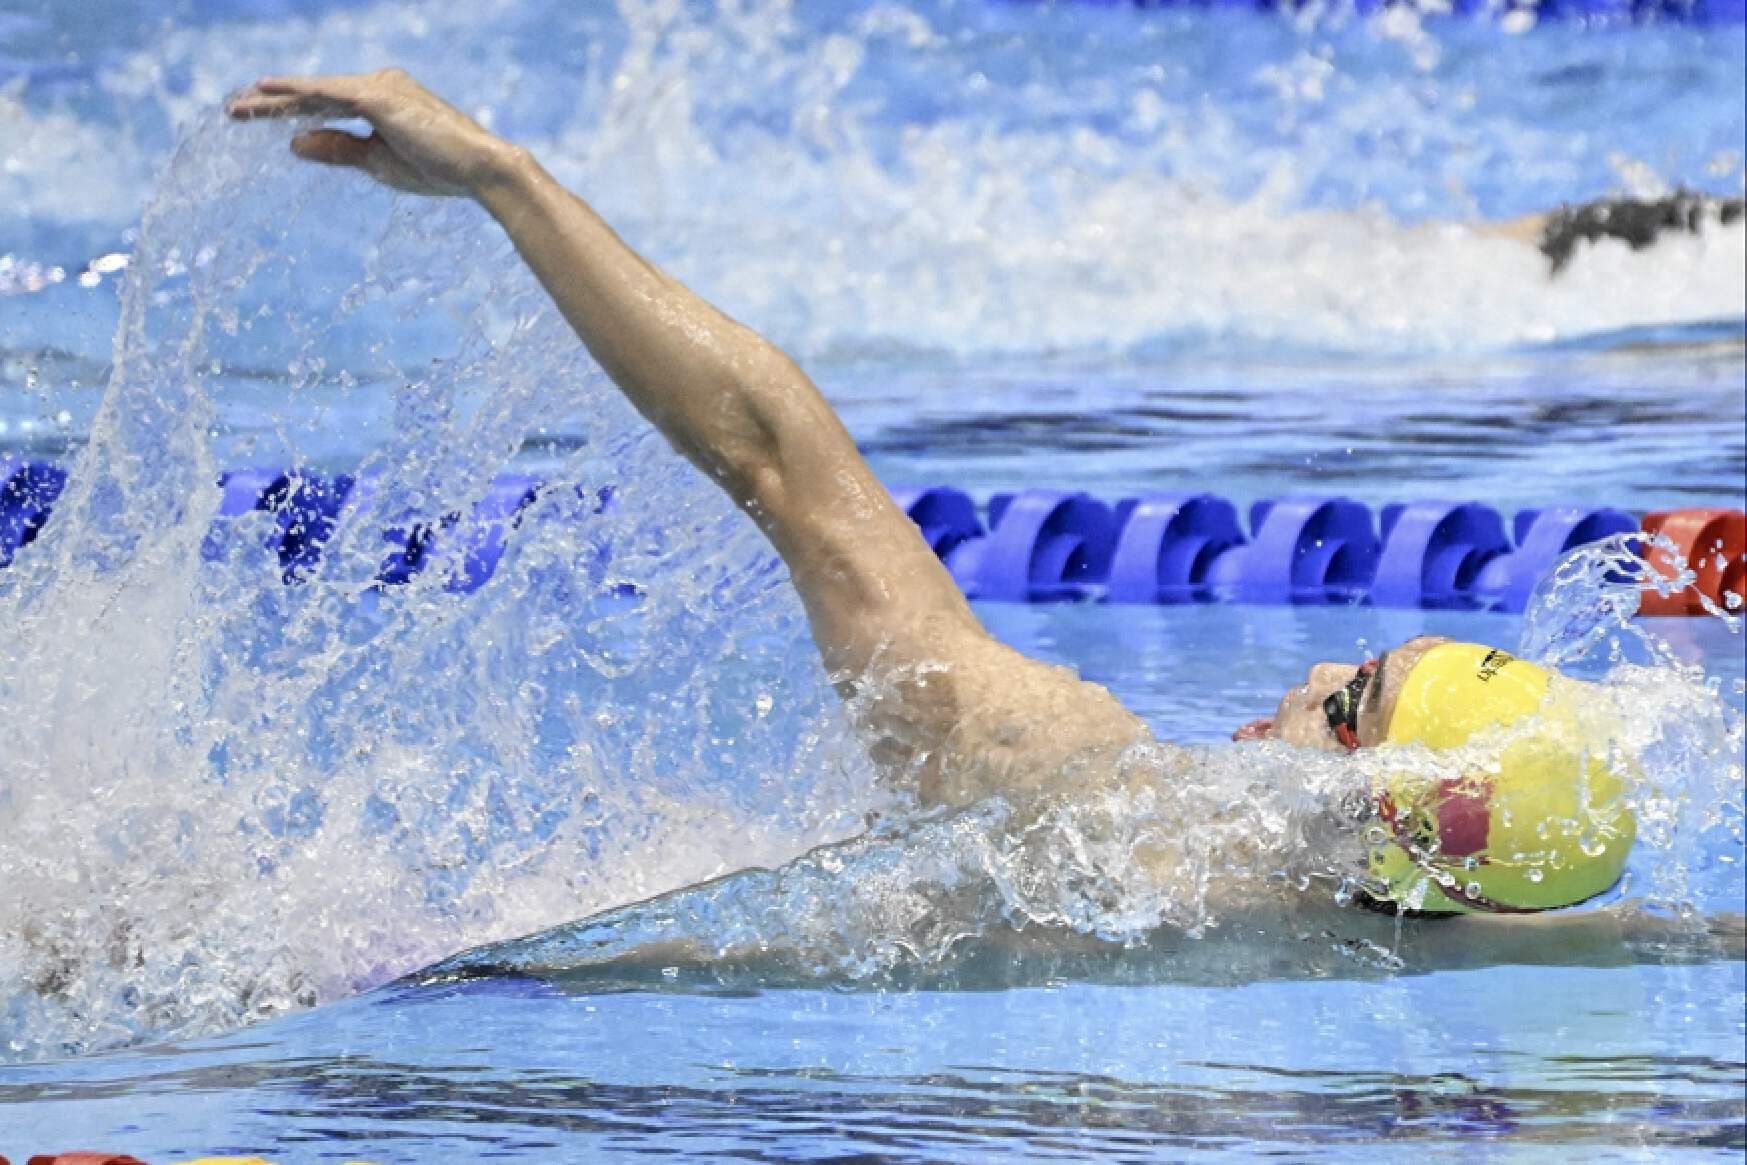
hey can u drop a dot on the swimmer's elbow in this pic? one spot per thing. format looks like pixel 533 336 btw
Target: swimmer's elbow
pixel 776 432
pixel 748 463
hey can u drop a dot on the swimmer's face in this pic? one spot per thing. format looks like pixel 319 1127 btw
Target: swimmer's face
pixel 1301 721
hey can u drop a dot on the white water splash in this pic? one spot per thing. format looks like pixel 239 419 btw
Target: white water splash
pixel 1215 864
pixel 222 795
pixel 925 178
pixel 1686 735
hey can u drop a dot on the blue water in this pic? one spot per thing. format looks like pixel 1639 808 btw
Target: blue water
pixel 1126 1058
pixel 1466 1066
pixel 1081 246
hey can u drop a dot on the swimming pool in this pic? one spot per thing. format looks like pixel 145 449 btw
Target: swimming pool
pixel 1082 247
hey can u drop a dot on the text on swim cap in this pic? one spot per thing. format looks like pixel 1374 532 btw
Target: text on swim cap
pixel 1493 664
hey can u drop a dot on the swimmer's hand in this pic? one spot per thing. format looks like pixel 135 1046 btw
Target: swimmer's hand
pixel 420 143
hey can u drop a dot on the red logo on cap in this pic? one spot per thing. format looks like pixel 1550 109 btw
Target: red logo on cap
pixel 1464 816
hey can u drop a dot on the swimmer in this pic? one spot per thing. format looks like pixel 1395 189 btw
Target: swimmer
pixel 1637 222
pixel 949 712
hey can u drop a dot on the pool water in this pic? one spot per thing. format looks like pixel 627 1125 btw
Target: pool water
pixel 1509 1062
pixel 1625 1052
pixel 1077 246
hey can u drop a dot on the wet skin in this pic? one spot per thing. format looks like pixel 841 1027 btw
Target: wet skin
pixel 1301 721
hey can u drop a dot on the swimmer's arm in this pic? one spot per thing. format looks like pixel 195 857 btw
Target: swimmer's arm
pixel 952 713
pixel 1526 229
pixel 723 396
pixel 963 715
pixel 745 414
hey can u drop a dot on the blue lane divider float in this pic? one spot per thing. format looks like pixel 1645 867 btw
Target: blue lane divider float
pixel 946 516
pixel 487 531
pixel 1167 545
pixel 1542 538
pixel 1034 545
pixel 1433 553
pixel 306 507
pixel 1042 546
pixel 309 507
pixel 28 491
pixel 1308 550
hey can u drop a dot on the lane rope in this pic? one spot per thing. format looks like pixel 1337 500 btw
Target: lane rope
pixel 1042 545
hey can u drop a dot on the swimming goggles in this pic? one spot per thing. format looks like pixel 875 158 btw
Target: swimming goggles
pixel 1342 708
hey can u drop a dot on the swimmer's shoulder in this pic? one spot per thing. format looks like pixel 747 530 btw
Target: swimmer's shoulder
pixel 1026 728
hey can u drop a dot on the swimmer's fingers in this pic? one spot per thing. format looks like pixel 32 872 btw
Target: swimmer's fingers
pixel 1255 730
pixel 420 144
pixel 304 97
pixel 333 147
pixel 250 104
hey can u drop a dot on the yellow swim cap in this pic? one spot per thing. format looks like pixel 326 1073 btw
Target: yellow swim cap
pixel 1546 826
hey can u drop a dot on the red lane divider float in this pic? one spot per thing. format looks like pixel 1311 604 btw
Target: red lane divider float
pixel 1041 545
pixel 1713 546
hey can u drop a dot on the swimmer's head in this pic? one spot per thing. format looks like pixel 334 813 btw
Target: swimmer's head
pixel 1540 824
pixel 1302 719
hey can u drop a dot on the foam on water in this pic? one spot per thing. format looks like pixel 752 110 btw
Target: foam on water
pixel 225 795
pixel 970 178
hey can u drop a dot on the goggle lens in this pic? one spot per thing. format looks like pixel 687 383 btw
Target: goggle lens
pixel 1342 708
